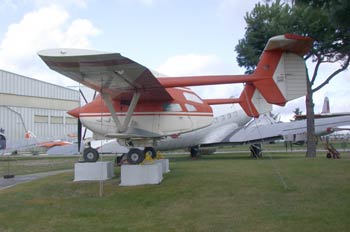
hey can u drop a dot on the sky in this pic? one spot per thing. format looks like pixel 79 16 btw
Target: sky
pixel 179 37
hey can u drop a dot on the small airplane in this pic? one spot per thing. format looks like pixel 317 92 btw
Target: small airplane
pixel 140 109
pixel 294 131
pixel 29 144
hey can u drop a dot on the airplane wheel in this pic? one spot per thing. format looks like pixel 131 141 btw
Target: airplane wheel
pixel 151 150
pixel 135 156
pixel 90 155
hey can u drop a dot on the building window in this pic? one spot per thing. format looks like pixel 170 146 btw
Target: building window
pixel 41 119
pixel 56 120
pixel 70 120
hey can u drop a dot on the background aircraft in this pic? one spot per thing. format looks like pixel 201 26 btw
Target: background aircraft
pixel 227 130
pixel 30 144
pixel 140 110
pixel 326 112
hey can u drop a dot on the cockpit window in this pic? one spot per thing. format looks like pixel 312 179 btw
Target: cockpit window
pixel 190 107
pixel 192 97
pixel 172 107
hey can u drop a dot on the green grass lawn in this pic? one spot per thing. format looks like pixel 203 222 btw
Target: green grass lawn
pixel 228 192
pixel 22 165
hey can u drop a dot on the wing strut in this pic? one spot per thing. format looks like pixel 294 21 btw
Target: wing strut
pixel 121 127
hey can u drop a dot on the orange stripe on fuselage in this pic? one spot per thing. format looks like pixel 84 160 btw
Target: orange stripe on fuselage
pixel 146 114
pixel 121 105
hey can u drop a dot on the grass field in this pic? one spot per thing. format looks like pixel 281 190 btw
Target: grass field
pixel 228 192
pixel 21 165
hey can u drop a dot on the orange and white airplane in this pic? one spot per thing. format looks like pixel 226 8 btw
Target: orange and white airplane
pixel 29 144
pixel 139 109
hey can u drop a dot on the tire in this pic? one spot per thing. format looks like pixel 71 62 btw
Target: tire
pixel 151 150
pixel 135 156
pixel 90 155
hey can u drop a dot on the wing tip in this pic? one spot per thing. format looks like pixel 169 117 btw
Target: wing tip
pixel 67 52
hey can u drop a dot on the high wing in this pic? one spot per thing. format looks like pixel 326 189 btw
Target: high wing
pixel 260 133
pixel 109 73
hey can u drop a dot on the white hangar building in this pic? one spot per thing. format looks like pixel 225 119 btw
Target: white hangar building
pixel 27 104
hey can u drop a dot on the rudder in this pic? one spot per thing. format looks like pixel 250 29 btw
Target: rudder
pixel 280 75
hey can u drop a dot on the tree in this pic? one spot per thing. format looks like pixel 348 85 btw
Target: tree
pixel 297 111
pixel 319 19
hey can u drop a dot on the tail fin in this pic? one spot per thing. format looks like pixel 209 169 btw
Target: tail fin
pixel 325 108
pixel 280 75
pixel 29 135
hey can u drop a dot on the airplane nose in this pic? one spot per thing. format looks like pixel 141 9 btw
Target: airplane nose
pixel 75 112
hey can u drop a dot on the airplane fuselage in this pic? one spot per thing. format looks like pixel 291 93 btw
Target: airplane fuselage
pixel 150 119
pixel 222 128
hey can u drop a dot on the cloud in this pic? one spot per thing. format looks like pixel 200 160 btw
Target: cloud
pixel 46 27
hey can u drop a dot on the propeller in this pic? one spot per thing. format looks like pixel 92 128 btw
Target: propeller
pixel 79 134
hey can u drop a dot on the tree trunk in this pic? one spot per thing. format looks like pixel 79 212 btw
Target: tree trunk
pixel 310 121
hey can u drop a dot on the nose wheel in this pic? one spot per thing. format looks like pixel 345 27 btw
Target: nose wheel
pixel 90 155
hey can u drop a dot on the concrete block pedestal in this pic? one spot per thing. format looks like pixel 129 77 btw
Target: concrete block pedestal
pixel 132 175
pixel 93 171
pixel 165 165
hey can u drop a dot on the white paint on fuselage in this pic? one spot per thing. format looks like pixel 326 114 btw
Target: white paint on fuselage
pixel 158 124
pixel 221 127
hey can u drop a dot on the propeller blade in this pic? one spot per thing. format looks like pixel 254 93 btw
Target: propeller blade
pixel 79 135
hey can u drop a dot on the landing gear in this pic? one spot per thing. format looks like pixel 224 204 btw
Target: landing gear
pixel 256 151
pixel 90 155
pixel 135 156
pixel 195 152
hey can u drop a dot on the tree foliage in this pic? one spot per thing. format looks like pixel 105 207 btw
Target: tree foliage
pixel 327 22
pixel 263 22
pixel 297 111
pixel 317 19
